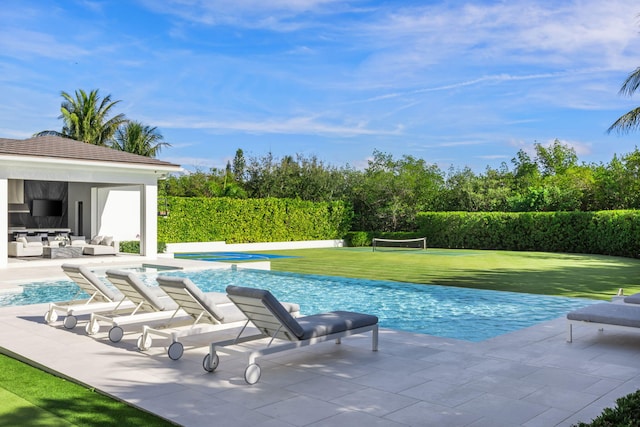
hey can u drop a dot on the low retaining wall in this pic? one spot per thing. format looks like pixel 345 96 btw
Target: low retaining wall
pixel 245 247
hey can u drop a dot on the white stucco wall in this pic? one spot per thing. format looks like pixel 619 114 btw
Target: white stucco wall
pixel 118 212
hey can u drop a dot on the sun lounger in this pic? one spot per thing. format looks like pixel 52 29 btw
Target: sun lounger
pixel 149 305
pixel 632 299
pixel 285 332
pixel 605 314
pixel 205 309
pixel 101 298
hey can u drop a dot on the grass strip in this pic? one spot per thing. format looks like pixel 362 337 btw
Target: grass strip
pixel 571 275
pixel 32 397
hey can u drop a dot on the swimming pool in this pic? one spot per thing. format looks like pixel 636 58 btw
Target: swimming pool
pixel 461 313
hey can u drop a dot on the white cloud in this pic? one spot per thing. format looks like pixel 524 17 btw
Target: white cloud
pixel 303 125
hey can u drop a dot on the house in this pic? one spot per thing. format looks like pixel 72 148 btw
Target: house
pixel 51 184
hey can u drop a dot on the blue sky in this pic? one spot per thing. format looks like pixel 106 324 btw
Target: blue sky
pixel 452 82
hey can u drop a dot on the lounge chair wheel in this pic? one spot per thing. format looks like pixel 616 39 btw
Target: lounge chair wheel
pixel 175 350
pixel 92 328
pixel 252 373
pixel 210 364
pixel 144 344
pixel 115 334
pixel 50 316
pixel 70 322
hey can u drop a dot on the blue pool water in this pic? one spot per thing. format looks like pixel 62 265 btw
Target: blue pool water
pixel 467 314
pixel 228 256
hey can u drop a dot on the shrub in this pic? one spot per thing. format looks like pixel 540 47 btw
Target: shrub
pixel 358 238
pixel 625 414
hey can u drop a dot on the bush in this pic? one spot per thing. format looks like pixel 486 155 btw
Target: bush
pixel 625 414
pixel 358 238
pixel 130 246
pixel 605 232
pixel 133 247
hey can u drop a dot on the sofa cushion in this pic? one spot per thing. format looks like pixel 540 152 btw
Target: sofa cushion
pixel 96 240
pixel 34 239
pixel 22 240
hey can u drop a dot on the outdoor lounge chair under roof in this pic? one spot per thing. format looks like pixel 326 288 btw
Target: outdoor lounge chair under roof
pixel 605 314
pixel 205 309
pixel 149 305
pixel 286 332
pixel 101 298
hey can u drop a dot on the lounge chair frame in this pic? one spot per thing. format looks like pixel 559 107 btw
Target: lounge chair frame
pixel 146 308
pixel 207 314
pixel 190 301
pixel 281 337
pixel 101 299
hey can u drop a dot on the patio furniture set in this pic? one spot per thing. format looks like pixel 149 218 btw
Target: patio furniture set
pixel 62 246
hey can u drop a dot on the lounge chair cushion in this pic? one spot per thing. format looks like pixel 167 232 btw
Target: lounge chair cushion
pixel 633 299
pixel 608 313
pixel 184 283
pixel 147 292
pixel 79 272
pixel 318 325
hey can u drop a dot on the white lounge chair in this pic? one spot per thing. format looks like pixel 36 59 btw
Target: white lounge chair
pixel 285 332
pixel 205 309
pixel 606 314
pixel 101 298
pixel 149 305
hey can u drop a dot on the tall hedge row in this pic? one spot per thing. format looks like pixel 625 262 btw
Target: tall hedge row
pixel 196 219
pixel 603 232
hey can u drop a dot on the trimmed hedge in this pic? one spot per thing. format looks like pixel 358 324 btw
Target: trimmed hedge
pixel 199 219
pixel 604 232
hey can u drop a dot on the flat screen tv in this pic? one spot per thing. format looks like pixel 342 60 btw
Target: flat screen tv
pixel 40 207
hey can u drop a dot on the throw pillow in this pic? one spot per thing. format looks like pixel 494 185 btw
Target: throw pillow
pixel 22 240
pixel 96 240
pixel 107 240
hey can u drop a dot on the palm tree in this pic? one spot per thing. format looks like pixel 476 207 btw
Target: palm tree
pixel 631 120
pixel 135 137
pixel 86 118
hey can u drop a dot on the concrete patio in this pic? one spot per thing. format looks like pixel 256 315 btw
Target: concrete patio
pixel 528 378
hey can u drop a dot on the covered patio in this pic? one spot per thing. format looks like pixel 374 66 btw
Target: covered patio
pixel 53 186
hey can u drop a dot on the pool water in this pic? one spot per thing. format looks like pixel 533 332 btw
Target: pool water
pixel 228 256
pixel 461 313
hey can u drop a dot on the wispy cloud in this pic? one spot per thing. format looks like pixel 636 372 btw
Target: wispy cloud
pixel 295 125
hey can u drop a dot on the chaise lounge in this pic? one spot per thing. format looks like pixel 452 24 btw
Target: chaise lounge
pixel 149 305
pixel 285 332
pixel 625 316
pixel 101 298
pixel 208 311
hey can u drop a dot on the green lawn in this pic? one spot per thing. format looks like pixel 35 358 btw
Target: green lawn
pixel 574 275
pixel 31 397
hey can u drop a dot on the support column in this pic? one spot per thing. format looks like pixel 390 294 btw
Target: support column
pixel 149 220
pixel 4 221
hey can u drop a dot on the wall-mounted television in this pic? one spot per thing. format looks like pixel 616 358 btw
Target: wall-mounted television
pixel 41 207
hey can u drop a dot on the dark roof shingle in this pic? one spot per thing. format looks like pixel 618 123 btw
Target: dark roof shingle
pixel 66 148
